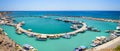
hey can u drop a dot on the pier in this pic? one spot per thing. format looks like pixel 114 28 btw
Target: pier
pixel 19 28
pixel 101 19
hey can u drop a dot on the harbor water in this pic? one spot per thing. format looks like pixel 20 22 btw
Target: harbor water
pixel 42 25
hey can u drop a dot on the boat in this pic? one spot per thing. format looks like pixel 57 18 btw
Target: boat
pixel 109 31
pixel 67 36
pixel 118 27
pixel 59 19
pixel 96 30
pixel 65 20
pixel 93 45
pixel 28 47
pixel 81 48
pixel 41 37
pixel 31 35
pixel 98 41
pixel 113 36
pixel 74 26
pixel 75 22
pixel 44 16
pixel 89 28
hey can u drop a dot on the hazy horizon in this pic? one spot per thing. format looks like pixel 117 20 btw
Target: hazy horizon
pixel 60 5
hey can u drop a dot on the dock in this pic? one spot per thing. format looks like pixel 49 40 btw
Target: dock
pixel 19 28
pixel 101 19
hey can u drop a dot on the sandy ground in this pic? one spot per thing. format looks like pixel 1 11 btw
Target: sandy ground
pixel 109 46
pixel 6 44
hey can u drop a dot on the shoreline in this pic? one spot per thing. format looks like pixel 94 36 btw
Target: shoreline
pixel 106 45
pixel 7 44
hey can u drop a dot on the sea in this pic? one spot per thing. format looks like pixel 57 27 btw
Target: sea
pixel 52 26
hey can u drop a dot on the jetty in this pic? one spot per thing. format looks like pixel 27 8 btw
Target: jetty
pixel 20 30
pixel 101 19
pixel 29 33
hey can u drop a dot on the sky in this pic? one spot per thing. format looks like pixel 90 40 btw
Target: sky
pixel 51 5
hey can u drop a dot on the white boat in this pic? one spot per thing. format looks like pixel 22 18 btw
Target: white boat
pixel 118 27
pixel 41 38
pixel 67 36
pixel 74 27
pixel 28 47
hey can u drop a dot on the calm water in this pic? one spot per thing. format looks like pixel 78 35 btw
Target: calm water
pixel 41 25
pixel 100 14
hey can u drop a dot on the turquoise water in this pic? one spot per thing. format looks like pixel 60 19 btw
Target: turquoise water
pixel 42 25
pixel 58 44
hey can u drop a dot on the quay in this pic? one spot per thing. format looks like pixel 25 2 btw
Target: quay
pixel 20 30
pixel 29 33
pixel 101 19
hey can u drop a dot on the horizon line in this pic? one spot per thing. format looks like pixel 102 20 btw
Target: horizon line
pixel 59 10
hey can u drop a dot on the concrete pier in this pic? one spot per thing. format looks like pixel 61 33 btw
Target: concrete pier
pixel 101 19
pixel 19 28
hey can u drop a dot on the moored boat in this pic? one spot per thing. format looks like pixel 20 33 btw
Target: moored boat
pixel 67 36
pixel 81 48
pixel 28 47
pixel 41 37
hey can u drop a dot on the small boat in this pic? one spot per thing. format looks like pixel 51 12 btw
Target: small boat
pixel 109 31
pixel 75 22
pixel 118 27
pixel 74 26
pixel 113 36
pixel 28 47
pixel 31 35
pixel 41 38
pixel 81 48
pixel 29 30
pixel 67 36
pixel 93 45
pixel 98 41
pixel 89 28
pixel 96 30
pixel 59 19
pixel 18 32
pixel 44 16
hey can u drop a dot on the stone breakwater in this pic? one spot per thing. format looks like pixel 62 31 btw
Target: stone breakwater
pixel 29 33
pixel 20 30
pixel 101 19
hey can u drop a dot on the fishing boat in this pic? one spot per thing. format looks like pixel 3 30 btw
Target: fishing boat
pixel 109 31
pixel 98 41
pixel 41 37
pixel 89 28
pixel 74 26
pixel 96 30
pixel 75 22
pixel 59 19
pixel 67 36
pixel 31 35
pixel 81 48
pixel 118 27
pixel 28 47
